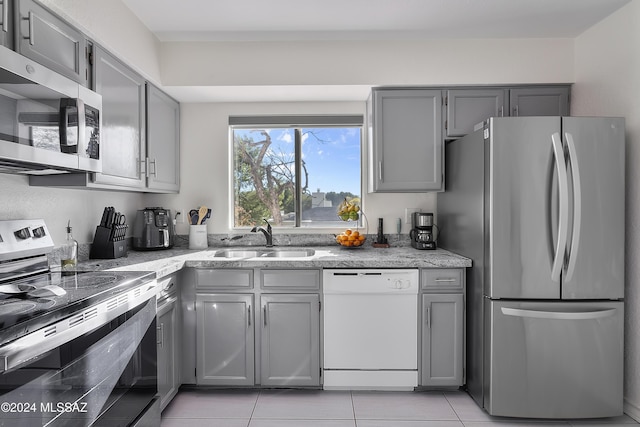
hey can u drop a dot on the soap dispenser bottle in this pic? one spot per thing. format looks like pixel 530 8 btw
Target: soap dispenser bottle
pixel 69 256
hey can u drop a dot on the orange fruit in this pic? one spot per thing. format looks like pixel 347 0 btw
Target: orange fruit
pixel 347 232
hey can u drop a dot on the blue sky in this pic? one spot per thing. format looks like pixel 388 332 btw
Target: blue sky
pixel 332 156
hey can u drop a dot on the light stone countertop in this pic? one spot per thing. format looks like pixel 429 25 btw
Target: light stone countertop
pixel 165 262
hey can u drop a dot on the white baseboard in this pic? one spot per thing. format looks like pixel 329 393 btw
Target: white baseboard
pixel 632 410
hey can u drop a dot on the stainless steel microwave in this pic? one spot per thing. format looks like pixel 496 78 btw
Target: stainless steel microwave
pixel 48 123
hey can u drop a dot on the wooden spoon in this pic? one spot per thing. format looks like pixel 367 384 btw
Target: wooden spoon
pixel 202 212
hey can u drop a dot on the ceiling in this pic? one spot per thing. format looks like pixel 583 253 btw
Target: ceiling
pixel 283 20
pixel 190 20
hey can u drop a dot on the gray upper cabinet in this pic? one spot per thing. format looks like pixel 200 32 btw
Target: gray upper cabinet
pixel 224 339
pixel 405 140
pixel 123 121
pixel 442 340
pixel 44 37
pixel 290 353
pixel 468 107
pixel 163 141
pixel 6 23
pixel 539 101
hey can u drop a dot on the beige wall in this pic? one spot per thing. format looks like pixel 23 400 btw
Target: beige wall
pixel 607 71
pixel 457 61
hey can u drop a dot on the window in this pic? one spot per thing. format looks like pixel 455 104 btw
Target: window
pixel 293 170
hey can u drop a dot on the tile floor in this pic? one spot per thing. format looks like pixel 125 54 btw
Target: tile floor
pixel 317 408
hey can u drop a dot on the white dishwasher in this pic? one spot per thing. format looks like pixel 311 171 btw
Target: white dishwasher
pixel 370 329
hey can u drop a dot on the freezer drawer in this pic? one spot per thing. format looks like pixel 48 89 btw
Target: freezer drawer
pixel 554 359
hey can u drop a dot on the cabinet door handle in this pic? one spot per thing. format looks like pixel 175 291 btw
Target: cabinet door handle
pixel 264 317
pixel 160 340
pixel 5 15
pixel 31 37
pixel 380 170
pixel 428 316
pixel 249 316
pixel 144 167
pixel 154 162
pixel 515 111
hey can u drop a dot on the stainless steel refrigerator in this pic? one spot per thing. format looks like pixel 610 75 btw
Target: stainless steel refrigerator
pixel 538 204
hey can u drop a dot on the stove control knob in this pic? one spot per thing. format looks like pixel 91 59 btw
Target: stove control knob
pixel 23 233
pixel 39 232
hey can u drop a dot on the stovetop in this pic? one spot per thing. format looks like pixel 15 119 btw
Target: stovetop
pixel 21 313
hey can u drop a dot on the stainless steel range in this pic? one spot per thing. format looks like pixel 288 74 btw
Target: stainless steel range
pixel 76 348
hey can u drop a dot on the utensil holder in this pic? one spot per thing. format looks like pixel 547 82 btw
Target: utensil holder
pixel 198 237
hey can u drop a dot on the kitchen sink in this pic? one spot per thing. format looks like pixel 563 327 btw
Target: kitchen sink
pixel 271 253
pixel 290 253
pixel 235 253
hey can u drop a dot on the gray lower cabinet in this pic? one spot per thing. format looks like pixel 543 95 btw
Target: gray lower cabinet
pixel 405 140
pixel 168 360
pixel 539 101
pixel 225 339
pixel 442 327
pixel 47 39
pixel 442 340
pixel 290 354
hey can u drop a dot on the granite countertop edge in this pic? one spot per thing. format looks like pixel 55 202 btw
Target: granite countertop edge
pixel 168 261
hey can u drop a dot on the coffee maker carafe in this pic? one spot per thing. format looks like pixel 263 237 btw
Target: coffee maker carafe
pixel 421 233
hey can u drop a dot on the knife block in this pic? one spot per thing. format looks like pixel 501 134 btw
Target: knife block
pixel 104 247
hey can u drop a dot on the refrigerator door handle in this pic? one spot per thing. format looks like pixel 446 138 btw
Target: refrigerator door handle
pixel 563 193
pixel 577 205
pixel 558 315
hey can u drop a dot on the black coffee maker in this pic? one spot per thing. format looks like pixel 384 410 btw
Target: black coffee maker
pixel 421 233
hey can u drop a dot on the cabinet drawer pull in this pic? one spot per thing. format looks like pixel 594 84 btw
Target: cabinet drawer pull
pixel 446 280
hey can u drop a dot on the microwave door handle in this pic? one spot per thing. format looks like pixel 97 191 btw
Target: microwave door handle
pixel 563 220
pixel 66 104
pixel 82 118
pixel 577 205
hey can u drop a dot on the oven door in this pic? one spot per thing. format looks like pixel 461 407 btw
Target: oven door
pixel 107 376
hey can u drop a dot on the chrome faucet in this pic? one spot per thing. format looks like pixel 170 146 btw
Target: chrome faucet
pixel 268 233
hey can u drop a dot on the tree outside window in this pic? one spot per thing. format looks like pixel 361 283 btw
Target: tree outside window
pixel 294 176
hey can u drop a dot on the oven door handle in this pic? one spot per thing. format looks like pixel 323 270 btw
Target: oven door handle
pixel 37 343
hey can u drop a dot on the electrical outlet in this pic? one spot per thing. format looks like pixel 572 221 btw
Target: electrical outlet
pixel 407 214
pixel 181 216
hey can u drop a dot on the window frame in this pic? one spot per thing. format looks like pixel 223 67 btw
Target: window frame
pixel 296 122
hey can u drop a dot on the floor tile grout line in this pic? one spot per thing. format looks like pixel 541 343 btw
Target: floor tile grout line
pixel 353 409
pixel 452 408
pixel 255 405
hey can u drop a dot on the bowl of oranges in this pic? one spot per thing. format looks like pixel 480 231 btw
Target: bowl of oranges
pixel 350 238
